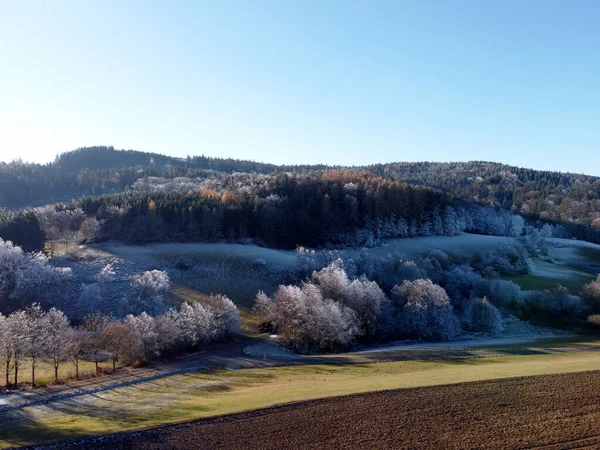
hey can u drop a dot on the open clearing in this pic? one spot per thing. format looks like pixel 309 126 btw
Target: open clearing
pixel 464 244
pixel 549 412
pixel 240 271
pixel 208 393
pixel 574 264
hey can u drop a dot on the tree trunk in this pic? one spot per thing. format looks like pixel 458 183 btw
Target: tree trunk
pixel 77 369
pixel 33 372
pixel 16 372
pixel 56 373
pixel 7 370
pixel 96 366
pixel 114 364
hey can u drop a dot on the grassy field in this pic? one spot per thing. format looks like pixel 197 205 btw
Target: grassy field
pixel 556 411
pixel 197 395
pixel 44 371
pixel 532 282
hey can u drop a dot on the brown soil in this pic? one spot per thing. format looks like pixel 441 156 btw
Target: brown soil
pixel 549 412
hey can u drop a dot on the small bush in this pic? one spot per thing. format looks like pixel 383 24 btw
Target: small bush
pixel 594 320
pixel 140 363
pixel 41 383
pixel 481 315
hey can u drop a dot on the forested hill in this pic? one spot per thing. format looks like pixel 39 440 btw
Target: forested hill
pixel 104 170
pixel 551 196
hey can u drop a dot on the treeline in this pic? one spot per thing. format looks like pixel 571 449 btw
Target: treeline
pixel 104 170
pixel 47 337
pixel 549 196
pixel 360 300
pixel 285 210
pixel 544 195
pixel 23 229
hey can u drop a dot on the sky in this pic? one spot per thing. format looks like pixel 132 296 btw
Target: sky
pixel 335 82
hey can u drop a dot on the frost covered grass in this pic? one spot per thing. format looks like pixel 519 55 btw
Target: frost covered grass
pixel 198 395
pixel 235 270
pixel 240 271
pixel 463 244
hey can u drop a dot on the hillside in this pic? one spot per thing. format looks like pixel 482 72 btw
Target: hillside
pixel 549 196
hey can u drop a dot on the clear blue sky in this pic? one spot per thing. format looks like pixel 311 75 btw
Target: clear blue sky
pixel 283 81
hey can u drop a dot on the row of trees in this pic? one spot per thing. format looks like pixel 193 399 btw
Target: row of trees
pixel 48 337
pixel 429 297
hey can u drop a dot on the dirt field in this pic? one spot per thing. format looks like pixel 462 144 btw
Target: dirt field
pixel 550 412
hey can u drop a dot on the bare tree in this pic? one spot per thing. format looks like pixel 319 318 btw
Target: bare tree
pixel 17 332
pixel 121 341
pixel 59 333
pixel 88 230
pixel 36 336
pixel 93 344
pixel 75 347
pixel 6 349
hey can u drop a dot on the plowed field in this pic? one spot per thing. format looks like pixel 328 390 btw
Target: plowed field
pixel 550 412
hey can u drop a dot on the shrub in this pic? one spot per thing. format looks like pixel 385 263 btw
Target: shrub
pixel 591 294
pixel 427 312
pixel 481 315
pixel 594 320
pixel 41 383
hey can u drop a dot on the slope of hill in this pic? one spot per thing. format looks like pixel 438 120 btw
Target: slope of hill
pixel 565 198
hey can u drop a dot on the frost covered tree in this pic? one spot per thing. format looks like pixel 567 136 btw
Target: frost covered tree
pixel 17 340
pixel 517 224
pixel 106 274
pixel 207 321
pixel 225 317
pixel 151 289
pixel 480 315
pixel 591 294
pixel 307 321
pixel 88 230
pixel 426 310
pixel 145 328
pixel 26 278
pixel 6 348
pixel 302 314
pixel 90 299
pixel 36 336
pixel 76 347
pixel 362 296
